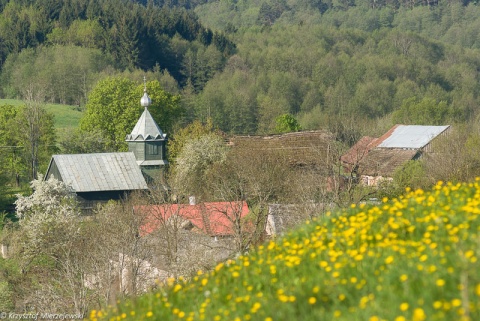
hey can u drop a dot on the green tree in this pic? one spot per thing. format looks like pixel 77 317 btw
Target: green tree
pixel 422 112
pixel 113 109
pixel 37 131
pixel 11 163
pixel 286 123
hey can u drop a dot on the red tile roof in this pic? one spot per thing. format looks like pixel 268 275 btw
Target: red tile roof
pixel 214 219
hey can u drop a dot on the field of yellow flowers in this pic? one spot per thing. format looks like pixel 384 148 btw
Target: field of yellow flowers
pixel 410 258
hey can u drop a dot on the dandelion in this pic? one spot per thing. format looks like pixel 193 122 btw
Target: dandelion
pixel 404 306
pixel 419 314
pixel 312 300
pixel 149 314
pixel 440 282
pixel 456 302
pixel 177 287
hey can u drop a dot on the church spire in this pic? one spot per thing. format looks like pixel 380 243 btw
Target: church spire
pixel 147 141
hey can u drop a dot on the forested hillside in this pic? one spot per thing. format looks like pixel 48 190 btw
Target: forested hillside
pixel 325 62
pixel 62 48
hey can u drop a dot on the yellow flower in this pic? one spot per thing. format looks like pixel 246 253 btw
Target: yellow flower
pixel 404 306
pixel 177 287
pixel 389 260
pixel 477 289
pixel 440 282
pixel 312 300
pixel 149 314
pixel 456 302
pixel 400 318
pixel 403 277
pixel 419 314
pixel 437 305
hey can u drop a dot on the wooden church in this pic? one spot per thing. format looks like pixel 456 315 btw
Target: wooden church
pixel 99 177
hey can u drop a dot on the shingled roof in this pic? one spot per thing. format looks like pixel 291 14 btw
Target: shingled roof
pixel 146 129
pixel 97 172
pixel 384 162
pixel 300 148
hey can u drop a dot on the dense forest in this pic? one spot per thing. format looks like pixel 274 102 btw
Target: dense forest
pixel 245 63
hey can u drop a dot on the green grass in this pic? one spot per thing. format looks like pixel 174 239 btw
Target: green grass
pixel 412 258
pixel 67 118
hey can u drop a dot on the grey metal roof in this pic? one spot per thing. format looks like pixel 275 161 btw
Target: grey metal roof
pixel 100 172
pixel 412 136
pixel 146 129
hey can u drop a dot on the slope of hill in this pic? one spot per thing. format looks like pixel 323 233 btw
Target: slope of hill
pixel 411 258
pixel 67 117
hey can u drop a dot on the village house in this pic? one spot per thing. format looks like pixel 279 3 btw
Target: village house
pixel 372 160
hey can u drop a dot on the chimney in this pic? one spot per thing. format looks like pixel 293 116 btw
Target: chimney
pixel 191 200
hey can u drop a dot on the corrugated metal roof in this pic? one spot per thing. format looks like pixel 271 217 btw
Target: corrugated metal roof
pixel 100 172
pixel 146 129
pixel 411 136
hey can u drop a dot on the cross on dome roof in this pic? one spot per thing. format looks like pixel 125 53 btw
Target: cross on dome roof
pixel 145 101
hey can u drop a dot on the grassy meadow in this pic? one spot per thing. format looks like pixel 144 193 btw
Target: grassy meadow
pixel 410 258
pixel 67 117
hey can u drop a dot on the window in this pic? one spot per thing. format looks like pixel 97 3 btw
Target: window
pixel 152 149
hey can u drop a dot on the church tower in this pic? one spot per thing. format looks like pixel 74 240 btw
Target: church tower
pixel 148 142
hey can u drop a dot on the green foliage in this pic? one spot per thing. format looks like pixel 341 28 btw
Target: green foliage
pixel 412 175
pixel 422 112
pixel 28 138
pixel 113 109
pixel 62 74
pixel 84 142
pixel 132 34
pixel 6 294
pixel 286 123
